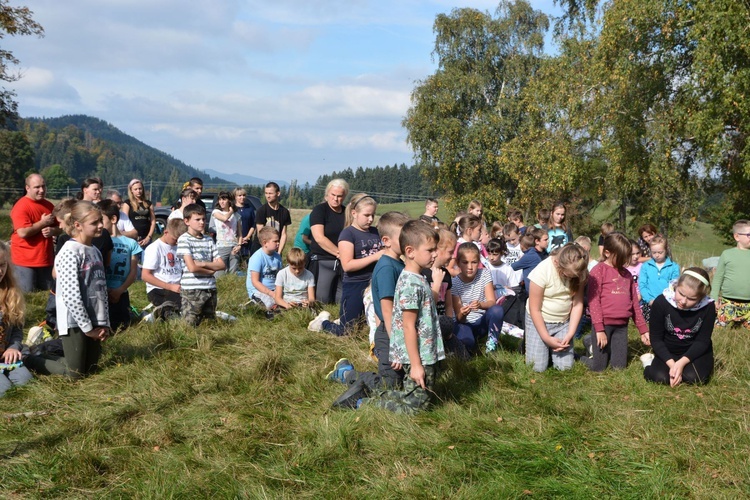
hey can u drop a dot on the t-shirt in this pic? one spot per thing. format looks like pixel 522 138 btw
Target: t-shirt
pixel 443 294
pixel 247 218
pixel 557 298
pixel 124 223
pixel 365 243
pixel 294 288
pixel 267 266
pixel 277 219
pixel 679 332
pixel 558 238
pixel 160 258
pixel 201 250
pixel 304 230
pixel 413 293
pixel 333 224
pixel 474 290
pixel 119 264
pixel 613 298
pixel 81 289
pixel 527 263
pixel 140 215
pixel 176 214
pixel 226 231
pixel 502 276
pixel 35 251
pixel 514 255
pixel 384 278
pixel 731 278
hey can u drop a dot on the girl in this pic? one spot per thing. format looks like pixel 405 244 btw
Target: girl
pixel 559 232
pixel 682 321
pixel 656 274
pixel 473 295
pixel 81 300
pixel 359 250
pixel 496 231
pixel 470 231
pixel 228 239
pixel 454 225
pixel 645 234
pixel 613 300
pixel 140 211
pixel 635 262
pixel 555 307
pixel 12 371
pixel 475 209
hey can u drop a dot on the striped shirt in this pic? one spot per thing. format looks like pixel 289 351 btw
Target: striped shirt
pixel 201 250
pixel 474 290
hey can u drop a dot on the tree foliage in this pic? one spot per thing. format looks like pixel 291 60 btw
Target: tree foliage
pixel 16 160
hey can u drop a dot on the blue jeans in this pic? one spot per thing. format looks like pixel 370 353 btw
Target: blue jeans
pixel 491 322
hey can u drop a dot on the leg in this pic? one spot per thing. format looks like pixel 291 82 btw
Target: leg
pixel 492 322
pixel 450 341
pixel 234 263
pixel 657 371
pixel 325 283
pixel 24 278
pixel 699 371
pixel 600 359
pixel 618 343
pixel 411 399
pixel 19 376
pixel 537 352
pixel 562 360
pixel 465 334
pixel 210 298
pixel 5 383
pixel 191 306
pixel 390 378
pixel 224 254
pixel 352 307
pixel 72 365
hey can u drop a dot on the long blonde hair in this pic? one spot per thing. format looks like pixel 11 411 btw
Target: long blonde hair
pixel 358 202
pixel 12 305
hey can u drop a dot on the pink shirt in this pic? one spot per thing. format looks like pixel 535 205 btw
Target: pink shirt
pixel 613 298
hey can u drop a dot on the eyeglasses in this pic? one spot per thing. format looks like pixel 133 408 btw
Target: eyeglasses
pixel 744 234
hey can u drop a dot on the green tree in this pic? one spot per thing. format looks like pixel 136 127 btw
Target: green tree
pixel 13 21
pixel 16 159
pixel 57 179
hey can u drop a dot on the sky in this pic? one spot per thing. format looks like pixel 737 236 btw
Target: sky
pixel 282 89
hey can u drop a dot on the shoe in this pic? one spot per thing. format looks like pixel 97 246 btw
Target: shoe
pixel 337 321
pixel 351 396
pixel 225 316
pixel 316 325
pixel 35 336
pixel 338 374
pixel 270 314
pixel 148 318
pixel 647 359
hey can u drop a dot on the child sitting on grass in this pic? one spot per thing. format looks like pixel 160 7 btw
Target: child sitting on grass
pixel 295 285
pixel 731 289
pixel 162 271
pixel 416 342
pixel 262 269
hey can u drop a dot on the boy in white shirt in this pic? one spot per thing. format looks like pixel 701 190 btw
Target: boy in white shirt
pixel 295 285
pixel 162 270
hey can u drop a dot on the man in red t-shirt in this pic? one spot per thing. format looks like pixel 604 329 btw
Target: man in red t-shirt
pixel 31 244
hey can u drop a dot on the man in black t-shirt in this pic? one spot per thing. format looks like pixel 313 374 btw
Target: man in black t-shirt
pixel 273 214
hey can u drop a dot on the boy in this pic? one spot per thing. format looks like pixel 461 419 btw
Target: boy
pixel 512 238
pixel 200 262
pixel 543 219
pixel 262 269
pixel 430 212
pixel 162 271
pixel 731 286
pixel 504 278
pixel 516 217
pixel 122 268
pixel 272 214
pixel 384 278
pixel 188 196
pixel 295 285
pixel 534 256
pixel 416 342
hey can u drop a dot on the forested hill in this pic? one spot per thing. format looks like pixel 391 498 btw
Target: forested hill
pixel 70 148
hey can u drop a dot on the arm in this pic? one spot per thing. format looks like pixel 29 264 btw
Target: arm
pixel 536 298
pixel 222 216
pixel 278 296
pixel 147 275
pixel 657 329
pixel 282 239
pixel 640 321
pixel 460 309
pixel 718 280
pixel 643 284
pixel 318 233
pixel 412 347
pixel 35 228
pixel 306 239
pixel 258 284
pixel 449 305
pixel 349 263
pixel 489 296
pixel 386 307
pixel 13 352
pixel 437 282
pixel 576 313
pixel 116 293
pixel 595 306
pixel 152 228
pixel 69 290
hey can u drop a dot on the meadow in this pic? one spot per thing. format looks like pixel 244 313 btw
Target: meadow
pixel 242 409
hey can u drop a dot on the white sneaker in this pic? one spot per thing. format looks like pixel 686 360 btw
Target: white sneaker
pixel 316 325
pixel 647 358
pixel 225 316
pixel 337 321
pixel 148 318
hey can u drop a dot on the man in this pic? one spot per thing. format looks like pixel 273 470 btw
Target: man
pixel 430 212
pixel 124 225
pixel 272 214
pixel 32 246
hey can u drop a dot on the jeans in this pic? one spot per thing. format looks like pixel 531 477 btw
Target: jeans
pixel 491 322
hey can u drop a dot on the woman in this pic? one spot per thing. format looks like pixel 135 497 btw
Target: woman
pixel 140 211
pixel 91 190
pixel 327 220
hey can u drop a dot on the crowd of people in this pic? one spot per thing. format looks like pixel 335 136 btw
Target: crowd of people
pixel 425 288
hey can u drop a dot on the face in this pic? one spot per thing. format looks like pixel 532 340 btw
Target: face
pixel 392 242
pixel 558 216
pixel 198 188
pixel 239 199
pixel 335 197
pixel 476 211
pixel 647 236
pixel 271 195
pixel 658 253
pixel 224 203
pixel 431 209
pixel 424 254
pixel 297 269
pixel 444 255
pixel 36 189
pixel 472 233
pixel 635 254
pixel 363 217
pixel 93 193
pixel 495 257
pixel 137 190
pixel 685 297
pixel 743 238
pixel 271 244
pixel 512 238
pixel 544 242
pixel 91 226
pixel 468 263
pixel 196 223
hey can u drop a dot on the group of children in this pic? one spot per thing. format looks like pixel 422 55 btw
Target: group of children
pixel 433 291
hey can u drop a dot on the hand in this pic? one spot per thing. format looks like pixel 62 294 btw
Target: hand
pixel 174 287
pixel 601 340
pixel 675 374
pixel 474 305
pixel 646 338
pixel 305 303
pixel 47 220
pixel 11 356
pixel 47 232
pixel 465 310
pixel 99 333
pixel 416 373
pixel 556 344
pixel 236 250
pixel 397 366
pixel 145 241
pixel 717 302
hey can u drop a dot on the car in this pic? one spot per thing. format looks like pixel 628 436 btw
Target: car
pixel 209 199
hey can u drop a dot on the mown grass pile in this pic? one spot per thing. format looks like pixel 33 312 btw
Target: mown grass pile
pixel 242 409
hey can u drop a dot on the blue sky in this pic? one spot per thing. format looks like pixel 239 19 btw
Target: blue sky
pixel 285 89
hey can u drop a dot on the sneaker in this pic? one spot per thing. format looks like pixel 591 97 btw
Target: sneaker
pixel 225 316
pixel 351 396
pixel 337 321
pixel 316 325
pixel 338 374
pixel 148 318
pixel 35 336
pixel 647 359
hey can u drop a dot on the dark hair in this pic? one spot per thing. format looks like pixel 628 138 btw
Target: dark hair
pixel 510 228
pixel 109 208
pixel 700 288
pixel 188 192
pixel 515 214
pixel 497 245
pixel 430 200
pixel 86 183
pixel 527 240
pixel 538 233
pixel 543 216
pixel 191 210
pixel 273 185
pixel 618 245
pixel 415 232
pixel 469 222
pixel 564 223
pixel 176 227
pixel 647 228
pixel 196 180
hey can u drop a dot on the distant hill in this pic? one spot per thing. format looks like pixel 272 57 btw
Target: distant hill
pixel 71 148
pixel 245 180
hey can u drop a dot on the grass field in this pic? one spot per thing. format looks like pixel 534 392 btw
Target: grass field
pixel 242 410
